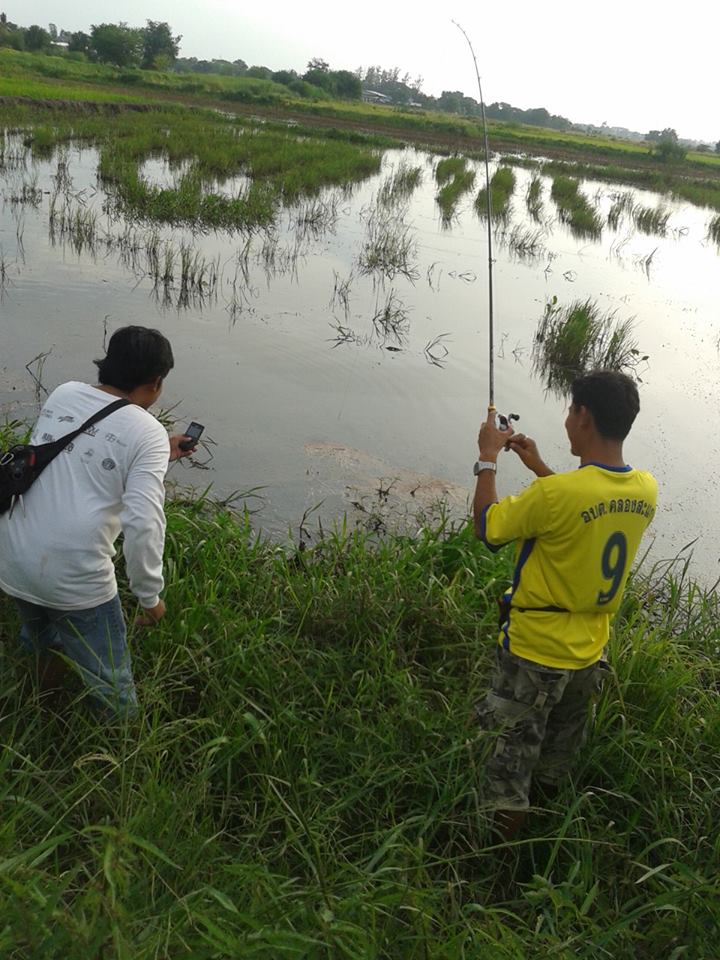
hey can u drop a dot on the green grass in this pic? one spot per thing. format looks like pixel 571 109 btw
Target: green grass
pixel 502 185
pixel 454 180
pixel 304 780
pixel 282 165
pixel 571 340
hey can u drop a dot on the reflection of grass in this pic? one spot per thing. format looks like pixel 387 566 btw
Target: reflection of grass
pixel 524 242
pixel 579 337
pixel 390 247
pixel 532 197
pixel 714 229
pixel 622 206
pixel 502 184
pixel 400 184
pixel 574 207
pixel 391 320
pixel 650 219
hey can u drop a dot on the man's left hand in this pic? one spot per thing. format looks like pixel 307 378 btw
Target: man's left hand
pixel 175 452
pixel 491 440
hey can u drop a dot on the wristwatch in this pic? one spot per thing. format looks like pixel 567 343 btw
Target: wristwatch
pixel 481 465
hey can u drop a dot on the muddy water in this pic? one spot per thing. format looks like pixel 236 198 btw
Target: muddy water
pixel 316 410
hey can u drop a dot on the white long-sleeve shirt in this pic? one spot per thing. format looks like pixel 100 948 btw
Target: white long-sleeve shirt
pixel 59 552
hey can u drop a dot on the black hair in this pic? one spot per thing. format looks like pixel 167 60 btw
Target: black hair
pixel 135 356
pixel 611 397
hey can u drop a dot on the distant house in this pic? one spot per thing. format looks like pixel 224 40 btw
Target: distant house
pixel 372 96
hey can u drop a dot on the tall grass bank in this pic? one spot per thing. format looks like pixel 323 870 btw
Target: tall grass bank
pixel 304 780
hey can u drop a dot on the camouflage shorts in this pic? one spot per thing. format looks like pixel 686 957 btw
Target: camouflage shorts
pixel 539 717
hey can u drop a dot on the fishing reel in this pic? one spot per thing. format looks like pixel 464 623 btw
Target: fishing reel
pixel 503 422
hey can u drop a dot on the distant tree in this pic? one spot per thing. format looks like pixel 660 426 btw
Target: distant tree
pixel 318 64
pixel 668 149
pixel 346 84
pixel 717 147
pixel 240 66
pixel 319 78
pixel 657 136
pixel 284 76
pixel 702 148
pixel 53 31
pixel 160 47
pixel 36 38
pixel 116 43
pixel 451 101
pixel 10 34
pixel 79 42
pixel 261 73
pixel 303 89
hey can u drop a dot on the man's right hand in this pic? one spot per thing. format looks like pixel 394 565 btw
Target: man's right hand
pixel 151 615
pixel 526 449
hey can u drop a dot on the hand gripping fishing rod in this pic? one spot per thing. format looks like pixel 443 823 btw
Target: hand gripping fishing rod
pixel 503 422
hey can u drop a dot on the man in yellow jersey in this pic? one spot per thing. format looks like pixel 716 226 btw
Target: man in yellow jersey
pixel 577 535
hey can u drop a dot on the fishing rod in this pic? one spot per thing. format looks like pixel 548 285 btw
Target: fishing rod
pixel 502 421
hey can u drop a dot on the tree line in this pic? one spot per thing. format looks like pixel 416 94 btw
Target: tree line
pixel 152 47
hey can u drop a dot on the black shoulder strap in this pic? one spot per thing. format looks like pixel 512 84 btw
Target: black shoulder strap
pixel 62 442
pixel 45 453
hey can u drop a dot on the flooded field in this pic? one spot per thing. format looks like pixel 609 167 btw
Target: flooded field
pixel 339 357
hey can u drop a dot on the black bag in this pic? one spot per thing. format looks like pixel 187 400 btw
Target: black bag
pixel 21 465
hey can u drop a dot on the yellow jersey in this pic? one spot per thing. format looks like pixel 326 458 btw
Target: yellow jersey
pixel 577 535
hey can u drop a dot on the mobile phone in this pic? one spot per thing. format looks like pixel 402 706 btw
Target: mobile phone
pixel 194 432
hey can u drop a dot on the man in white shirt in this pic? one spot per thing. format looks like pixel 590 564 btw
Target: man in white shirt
pixel 56 553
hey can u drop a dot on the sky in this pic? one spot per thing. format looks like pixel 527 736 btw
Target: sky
pixel 628 63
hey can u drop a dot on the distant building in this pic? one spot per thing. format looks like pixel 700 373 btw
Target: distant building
pixel 372 96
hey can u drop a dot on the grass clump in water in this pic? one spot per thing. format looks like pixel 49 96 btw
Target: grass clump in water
pixel 455 180
pixel 574 339
pixel 273 167
pixel 448 168
pixel 574 207
pixel 502 186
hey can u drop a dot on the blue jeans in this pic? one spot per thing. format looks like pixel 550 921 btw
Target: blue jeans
pixel 94 639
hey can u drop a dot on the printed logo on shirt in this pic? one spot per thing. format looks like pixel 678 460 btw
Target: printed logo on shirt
pixel 113 438
pixel 66 419
pixel 108 464
pixel 70 447
pixel 91 431
pixel 47 437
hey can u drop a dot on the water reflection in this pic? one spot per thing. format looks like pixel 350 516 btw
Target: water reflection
pixel 360 319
